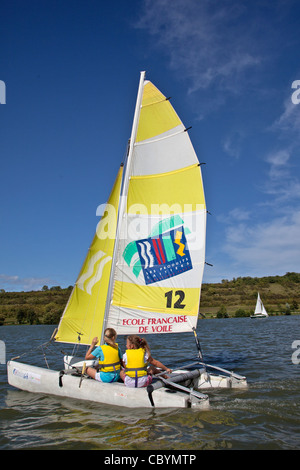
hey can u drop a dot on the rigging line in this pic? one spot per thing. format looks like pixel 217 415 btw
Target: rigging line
pixel 75 348
pixel 40 346
pixel 125 155
pixel 200 355
pixel 44 354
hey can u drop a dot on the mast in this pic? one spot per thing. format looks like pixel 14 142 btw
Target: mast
pixel 123 198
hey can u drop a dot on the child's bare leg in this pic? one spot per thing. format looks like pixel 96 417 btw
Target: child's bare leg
pixel 91 371
pixel 122 375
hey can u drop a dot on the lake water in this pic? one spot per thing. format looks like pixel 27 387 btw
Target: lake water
pixel 265 416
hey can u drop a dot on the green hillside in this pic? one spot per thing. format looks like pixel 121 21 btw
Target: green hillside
pixel 280 295
pixel 34 307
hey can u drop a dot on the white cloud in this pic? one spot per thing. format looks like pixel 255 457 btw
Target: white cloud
pixel 289 120
pixel 279 172
pixel 232 144
pixel 279 158
pixel 263 248
pixel 29 283
pixel 282 180
pixel 204 40
pixel 235 215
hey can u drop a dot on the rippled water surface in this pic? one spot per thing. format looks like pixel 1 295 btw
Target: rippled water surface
pixel 265 416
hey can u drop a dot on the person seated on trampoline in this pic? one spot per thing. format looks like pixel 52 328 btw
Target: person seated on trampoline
pixel 110 358
pixel 136 360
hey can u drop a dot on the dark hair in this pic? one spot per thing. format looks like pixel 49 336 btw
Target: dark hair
pixel 139 343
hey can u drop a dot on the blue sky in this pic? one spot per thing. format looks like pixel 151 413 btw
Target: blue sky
pixel 71 70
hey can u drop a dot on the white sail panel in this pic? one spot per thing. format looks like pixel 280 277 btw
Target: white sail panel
pixel 151 154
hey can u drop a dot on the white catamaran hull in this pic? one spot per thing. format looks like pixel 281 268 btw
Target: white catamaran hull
pixel 40 380
pixel 61 383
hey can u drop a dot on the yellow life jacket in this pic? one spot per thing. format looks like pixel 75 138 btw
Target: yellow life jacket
pixel 135 367
pixel 111 361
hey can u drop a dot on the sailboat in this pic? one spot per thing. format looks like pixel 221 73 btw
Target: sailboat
pixel 143 271
pixel 260 311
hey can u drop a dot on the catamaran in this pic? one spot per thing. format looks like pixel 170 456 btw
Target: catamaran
pixel 260 311
pixel 143 271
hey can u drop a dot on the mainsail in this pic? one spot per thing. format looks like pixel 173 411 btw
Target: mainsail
pixel 259 308
pixel 147 277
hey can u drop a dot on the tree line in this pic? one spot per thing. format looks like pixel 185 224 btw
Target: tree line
pixel 235 298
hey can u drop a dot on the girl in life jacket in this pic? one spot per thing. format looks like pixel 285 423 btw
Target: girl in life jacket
pixel 110 358
pixel 136 360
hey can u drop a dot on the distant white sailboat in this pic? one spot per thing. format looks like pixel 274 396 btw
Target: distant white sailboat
pixel 260 311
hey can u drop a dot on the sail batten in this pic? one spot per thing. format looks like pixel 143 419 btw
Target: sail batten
pixel 159 139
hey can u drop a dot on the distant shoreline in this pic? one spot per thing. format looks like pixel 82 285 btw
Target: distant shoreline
pixel 227 299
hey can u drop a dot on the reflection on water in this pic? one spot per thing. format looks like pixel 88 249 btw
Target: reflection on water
pixel 265 416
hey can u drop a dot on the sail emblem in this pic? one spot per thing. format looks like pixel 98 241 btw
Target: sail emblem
pixel 161 256
pixel 94 271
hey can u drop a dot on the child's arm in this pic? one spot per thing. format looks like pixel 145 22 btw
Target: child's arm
pixel 88 354
pixel 159 364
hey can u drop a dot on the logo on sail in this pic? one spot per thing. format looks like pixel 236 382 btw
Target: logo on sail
pixel 163 255
pixel 94 271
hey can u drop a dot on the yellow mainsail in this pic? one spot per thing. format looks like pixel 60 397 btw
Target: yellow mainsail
pixel 160 259
pixel 149 280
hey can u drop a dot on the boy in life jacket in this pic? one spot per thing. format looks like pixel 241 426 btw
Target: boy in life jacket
pixel 136 359
pixel 110 358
